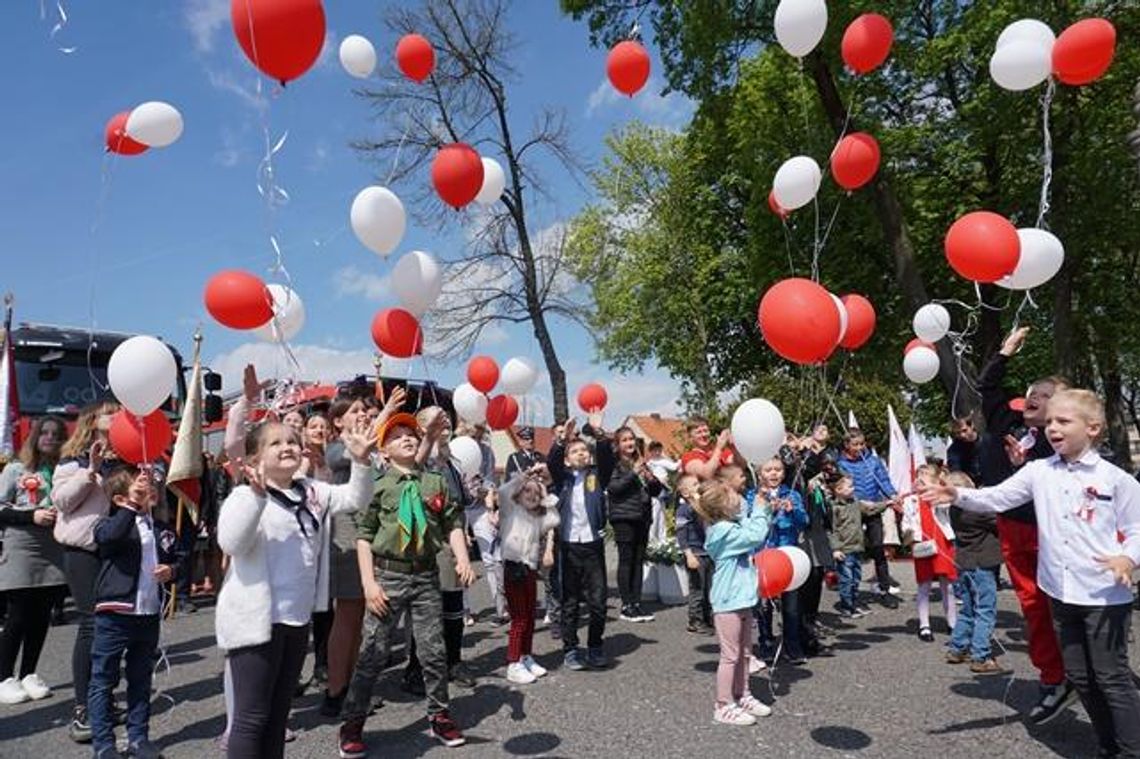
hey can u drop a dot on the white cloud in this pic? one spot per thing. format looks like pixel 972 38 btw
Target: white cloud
pixel 652 391
pixel 225 81
pixel 350 280
pixel 318 363
pixel 319 157
pixel 203 20
pixel 231 152
pixel 666 110
pixel 493 335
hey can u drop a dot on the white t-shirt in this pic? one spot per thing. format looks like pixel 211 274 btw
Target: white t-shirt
pixel 293 561
pixel 146 596
pixel 580 531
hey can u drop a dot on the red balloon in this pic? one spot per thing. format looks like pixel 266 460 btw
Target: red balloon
pixel 860 321
pixel 502 411
pixel 799 321
pixel 116 139
pixel 238 299
pixel 415 57
pixel 138 441
pixel 775 207
pixel 627 66
pixel 774 570
pixel 397 333
pixel 983 246
pixel 457 173
pixel 855 160
pixel 483 373
pixel 592 398
pixel 867 42
pixel 918 343
pixel 1084 51
pixel 283 38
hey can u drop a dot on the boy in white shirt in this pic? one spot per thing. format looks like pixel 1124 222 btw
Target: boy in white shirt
pixel 1088 523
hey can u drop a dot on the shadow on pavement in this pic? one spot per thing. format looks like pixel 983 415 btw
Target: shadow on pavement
pixel 841 738
pixel 530 744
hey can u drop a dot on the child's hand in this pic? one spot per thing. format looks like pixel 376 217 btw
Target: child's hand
pixel 724 439
pixel 394 403
pixel 359 443
pixel 375 598
pixel 568 430
pixel 937 493
pixel 548 558
pixel 44 517
pixel 1014 342
pixel 163 574
pixel 250 387
pixel 255 478
pixel 1014 450
pixel 595 419
pixel 1120 566
pixel 96 454
pixel 691 561
pixel 838 555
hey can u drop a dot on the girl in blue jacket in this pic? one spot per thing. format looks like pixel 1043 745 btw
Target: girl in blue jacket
pixel 730 541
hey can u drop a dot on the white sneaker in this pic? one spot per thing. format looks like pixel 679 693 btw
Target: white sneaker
pixel 546 620
pixel 11 692
pixel 532 666
pixel 753 706
pixel 35 687
pixel 732 714
pixel 518 673
pixel 756 665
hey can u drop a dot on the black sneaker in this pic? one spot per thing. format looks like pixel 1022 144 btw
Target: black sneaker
pixel 331 705
pixel 596 658
pixel 1054 700
pixel 889 601
pixel 443 728
pixel 414 683
pixel 574 659
pixel 925 635
pixel 862 611
pixel 460 675
pixel 642 615
pixel 80 728
pixel 144 750
pixel 628 614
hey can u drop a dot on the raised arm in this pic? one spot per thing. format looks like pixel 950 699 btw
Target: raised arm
pixel 239 519
pixel 71 484
pixel 1014 492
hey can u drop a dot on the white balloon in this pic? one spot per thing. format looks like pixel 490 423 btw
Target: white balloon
pixel 931 322
pixel 155 124
pixel 469 403
pixel 920 365
pixel 417 281
pixel 467 453
pixel 1042 256
pixel 358 56
pixel 801 565
pixel 797 182
pixel 800 25
pixel 1021 64
pixel 757 430
pixel 518 376
pixel 842 316
pixel 378 219
pixel 1027 29
pixel 142 373
pixel 494 182
pixel 288 315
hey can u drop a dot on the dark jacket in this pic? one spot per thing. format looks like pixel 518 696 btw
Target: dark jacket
pixel 964 457
pixel 630 496
pixel 520 461
pixel 690 529
pixel 815 538
pixel 597 477
pixel 120 553
pixel 977 543
pixel 1001 420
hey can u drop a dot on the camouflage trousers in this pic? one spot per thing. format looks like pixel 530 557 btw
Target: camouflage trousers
pixel 420 596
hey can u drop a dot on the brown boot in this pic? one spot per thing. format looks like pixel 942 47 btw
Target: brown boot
pixel 988 667
pixel 957 657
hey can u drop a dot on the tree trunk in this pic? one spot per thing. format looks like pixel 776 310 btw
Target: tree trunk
pixel 1113 409
pixel 890 214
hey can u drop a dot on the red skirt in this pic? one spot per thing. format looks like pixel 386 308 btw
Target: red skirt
pixel 942 563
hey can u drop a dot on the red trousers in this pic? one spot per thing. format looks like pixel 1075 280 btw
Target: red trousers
pixel 1019 548
pixel 522 599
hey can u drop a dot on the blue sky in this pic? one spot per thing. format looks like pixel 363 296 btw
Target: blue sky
pixel 133 240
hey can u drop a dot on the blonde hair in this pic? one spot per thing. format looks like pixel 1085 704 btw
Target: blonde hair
pixel 714 502
pixel 1085 401
pixel 85 429
pixel 931 470
pixel 960 480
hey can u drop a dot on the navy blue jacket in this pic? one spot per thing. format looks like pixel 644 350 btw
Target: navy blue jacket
pixel 120 553
pixel 597 478
pixel 690 529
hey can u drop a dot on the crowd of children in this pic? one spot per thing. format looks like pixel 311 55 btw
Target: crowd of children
pixel 340 525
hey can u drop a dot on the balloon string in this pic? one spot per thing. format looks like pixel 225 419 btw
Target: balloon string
pixel 61 22
pixel 106 175
pixel 788 244
pixel 399 148
pixel 1047 153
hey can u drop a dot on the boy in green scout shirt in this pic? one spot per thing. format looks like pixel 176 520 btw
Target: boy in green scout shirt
pixel 411 515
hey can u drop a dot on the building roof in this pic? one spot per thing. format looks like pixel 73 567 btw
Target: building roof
pixel 668 431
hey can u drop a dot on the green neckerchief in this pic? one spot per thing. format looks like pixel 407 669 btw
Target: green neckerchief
pixel 412 518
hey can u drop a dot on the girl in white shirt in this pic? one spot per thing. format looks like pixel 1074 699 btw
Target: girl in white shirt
pixel 1088 526
pixel 272 530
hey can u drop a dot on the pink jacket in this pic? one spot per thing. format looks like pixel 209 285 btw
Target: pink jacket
pixel 80 502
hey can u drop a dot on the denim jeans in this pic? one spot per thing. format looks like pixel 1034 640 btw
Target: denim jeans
pixel 850 575
pixel 136 636
pixel 978 614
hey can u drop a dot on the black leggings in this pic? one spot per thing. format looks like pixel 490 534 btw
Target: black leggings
pixel 81 568
pixel 29 614
pixel 264 679
pixel 631 538
pixel 322 625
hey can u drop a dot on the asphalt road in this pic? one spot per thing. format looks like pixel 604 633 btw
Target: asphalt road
pixel 883 694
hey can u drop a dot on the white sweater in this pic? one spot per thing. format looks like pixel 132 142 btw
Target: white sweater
pixel 521 530
pixel 245 605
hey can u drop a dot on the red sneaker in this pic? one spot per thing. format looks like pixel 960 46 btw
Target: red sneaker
pixel 352 745
pixel 443 728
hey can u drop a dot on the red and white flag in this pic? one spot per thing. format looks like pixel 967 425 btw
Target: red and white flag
pixel 184 477
pixel 9 399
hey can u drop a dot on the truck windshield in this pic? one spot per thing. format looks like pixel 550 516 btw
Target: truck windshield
pixel 64 384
